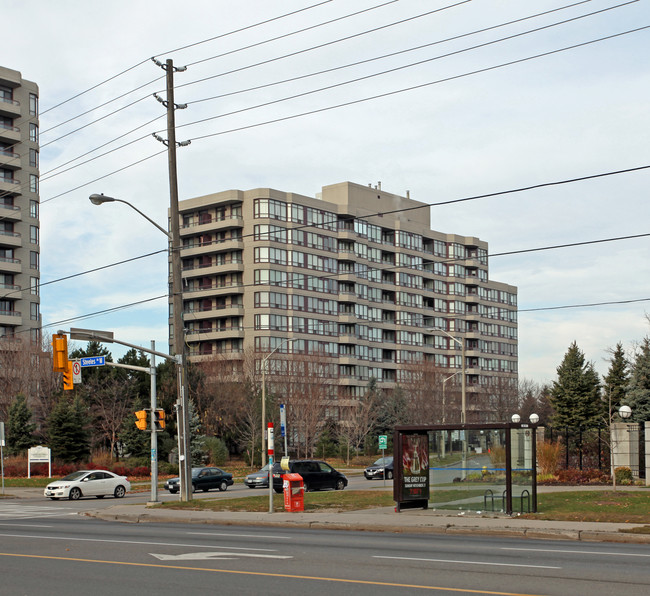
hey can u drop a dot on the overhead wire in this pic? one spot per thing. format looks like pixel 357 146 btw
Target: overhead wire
pixel 506 253
pixel 394 69
pixel 374 97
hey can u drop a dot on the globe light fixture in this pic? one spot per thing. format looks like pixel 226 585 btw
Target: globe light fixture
pixel 516 418
pixel 534 418
pixel 625 412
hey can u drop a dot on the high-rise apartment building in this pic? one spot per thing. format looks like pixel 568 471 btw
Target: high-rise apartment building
pixel 355 276
pixel 19 208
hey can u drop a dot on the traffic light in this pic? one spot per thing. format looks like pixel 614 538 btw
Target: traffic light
pixel 159 419
pixel 141 421
pixel 68 383
pixel 59 352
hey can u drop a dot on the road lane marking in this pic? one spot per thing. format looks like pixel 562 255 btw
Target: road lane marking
pixel 580 552
pixel 25 525
pixel 462 562
pixel 236 535
pixel 278 575
pixel 148 543
pixel 216 556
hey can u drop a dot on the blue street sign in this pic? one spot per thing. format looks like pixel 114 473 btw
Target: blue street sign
pixel 283 420
pixel 93 361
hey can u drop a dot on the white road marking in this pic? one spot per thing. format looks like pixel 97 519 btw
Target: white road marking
pixel 215 556
pixel 148 543
pixel 580 552
pixel 236 535
pixel 460 562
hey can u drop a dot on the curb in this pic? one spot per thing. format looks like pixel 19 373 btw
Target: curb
pixel 442 529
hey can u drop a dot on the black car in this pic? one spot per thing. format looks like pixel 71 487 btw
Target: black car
pixel 203 479
pixel 377 469
pixel 259 479
pixel 316 475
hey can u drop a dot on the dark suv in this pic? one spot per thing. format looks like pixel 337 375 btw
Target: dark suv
pixel 316 475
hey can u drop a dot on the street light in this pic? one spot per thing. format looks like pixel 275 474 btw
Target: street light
pixel 624 413
pixel 179 344
pixel 463 399
pixel 264 428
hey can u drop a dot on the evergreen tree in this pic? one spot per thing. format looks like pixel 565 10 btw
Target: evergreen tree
pixel 20 427
pixel 638 392
pixel 617 378
pixel 575 395
pixel 68 434
pixel 135 442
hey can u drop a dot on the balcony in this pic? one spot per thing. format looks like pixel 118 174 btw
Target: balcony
pixel 9 107
pixel 9 186
pixel 10 265
pixel 9 160
pixel 10 318
pixel 10 239
pixel 9 133
pixel 231 310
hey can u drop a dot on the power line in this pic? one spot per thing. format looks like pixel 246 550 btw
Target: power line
pixel 416 87
pixel 392 70
pixel 587 305
pixel 383 56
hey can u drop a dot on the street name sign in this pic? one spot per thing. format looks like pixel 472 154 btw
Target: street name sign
pixel 93 361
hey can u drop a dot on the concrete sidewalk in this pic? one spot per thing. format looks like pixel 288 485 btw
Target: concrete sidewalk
pixel 385 519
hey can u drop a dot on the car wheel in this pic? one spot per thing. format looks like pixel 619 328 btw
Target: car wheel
pixel 194 489
pixel 120 491
pixel 205 490
pixel 389 475
pixel 75 493
pixel 173 492
pixel 306 487
pixel 223 486
pixel 99 496
pixel 278 490
pixel 340 485
pixel 54 498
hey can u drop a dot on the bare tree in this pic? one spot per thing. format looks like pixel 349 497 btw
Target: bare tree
pixel 307 387
pixel 359 418
pixel 422 384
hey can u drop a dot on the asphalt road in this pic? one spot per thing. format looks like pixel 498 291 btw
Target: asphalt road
pixel 45 547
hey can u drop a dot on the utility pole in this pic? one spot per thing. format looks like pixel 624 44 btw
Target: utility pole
pixel 182 404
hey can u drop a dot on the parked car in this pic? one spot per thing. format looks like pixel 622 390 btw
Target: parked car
pixel 259 479
pixel 316 475
pixel 203 479
pixel 88 483
pixel 377 469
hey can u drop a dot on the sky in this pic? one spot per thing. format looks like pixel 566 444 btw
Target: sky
pixel 480 97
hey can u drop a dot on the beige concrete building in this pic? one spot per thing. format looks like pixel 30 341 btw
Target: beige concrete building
pixel 354 275
pixel 19 208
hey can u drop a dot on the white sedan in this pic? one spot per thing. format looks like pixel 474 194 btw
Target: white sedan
pixel 88 483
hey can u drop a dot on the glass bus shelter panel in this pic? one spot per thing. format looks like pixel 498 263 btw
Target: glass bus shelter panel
pixel 521 457
pixel 468 469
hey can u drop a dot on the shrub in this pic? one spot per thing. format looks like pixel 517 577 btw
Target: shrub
pixel 498 456
pixel 548 456
pixel 574 476
pixel 217 451
pixel 623 475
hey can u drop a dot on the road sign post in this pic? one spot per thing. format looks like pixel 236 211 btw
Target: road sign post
pixel 383 443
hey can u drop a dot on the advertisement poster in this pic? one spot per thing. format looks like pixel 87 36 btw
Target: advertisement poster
pixel 415 465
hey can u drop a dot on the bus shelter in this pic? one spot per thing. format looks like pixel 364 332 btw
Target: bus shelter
pixel 466 467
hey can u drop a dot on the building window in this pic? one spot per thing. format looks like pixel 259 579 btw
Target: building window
pixel 33 158
pixel 6 93
pixel 33 104
pixel 33 183
pixel 33 311
pixel 34 258
pixel 33 132
pixel 33 209
pixel 33 234
pixel 35 335
pixel 33 286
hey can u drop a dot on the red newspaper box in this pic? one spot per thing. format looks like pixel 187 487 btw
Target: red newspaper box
pixel 294 492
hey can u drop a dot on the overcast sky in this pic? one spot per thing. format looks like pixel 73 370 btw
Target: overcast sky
pixel 468 117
